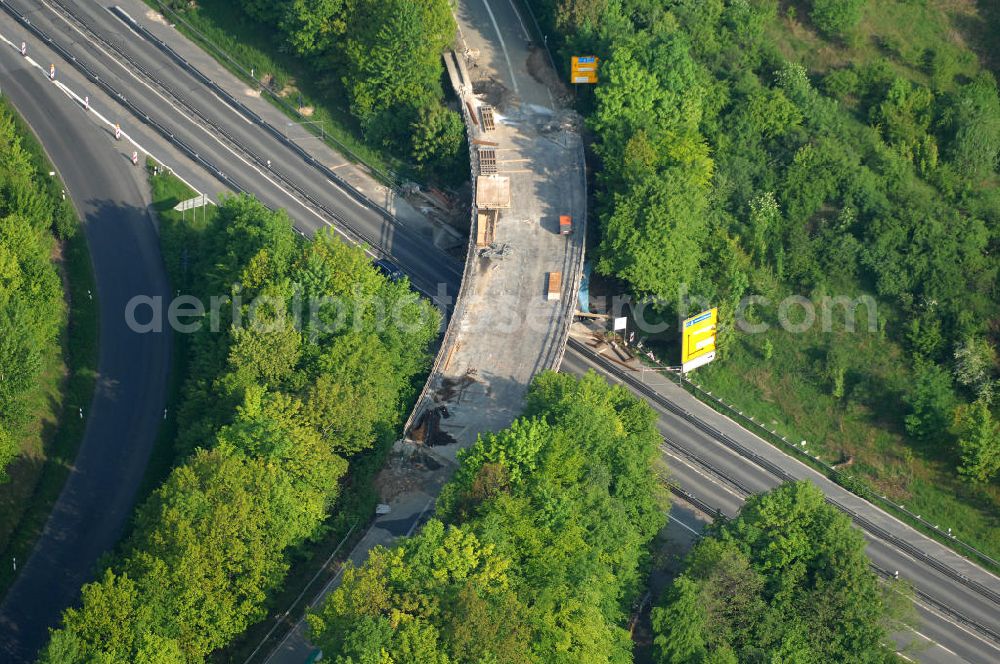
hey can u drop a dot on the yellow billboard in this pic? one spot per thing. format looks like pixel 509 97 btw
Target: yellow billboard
pixel 584 69
pixel 698 339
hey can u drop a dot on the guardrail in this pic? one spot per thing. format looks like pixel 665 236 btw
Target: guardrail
pixel 843 479
pixel 776 471
pixel 454 322
pixel 119 97
pixel 715 512
pixel 164 132
pixel 347 187
pixel 275 95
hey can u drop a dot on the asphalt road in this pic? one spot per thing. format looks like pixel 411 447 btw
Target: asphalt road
pixel 194 113
pixel 124 416
pixel 413 256
pixel 721 478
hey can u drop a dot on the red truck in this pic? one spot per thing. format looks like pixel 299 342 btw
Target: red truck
pixel 565 224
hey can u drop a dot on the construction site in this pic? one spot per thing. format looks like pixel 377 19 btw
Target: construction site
pixel 525 256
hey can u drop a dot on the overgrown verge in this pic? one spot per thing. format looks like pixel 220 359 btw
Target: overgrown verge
pixel 856 200
pixel 786 580
pixel 366 74
pixel 538 551
pixel 295 370
pixel 48 338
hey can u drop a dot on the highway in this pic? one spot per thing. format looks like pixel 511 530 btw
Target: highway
pixel 124 416
pixel 412 253
pixel 250 155
pixel 721 478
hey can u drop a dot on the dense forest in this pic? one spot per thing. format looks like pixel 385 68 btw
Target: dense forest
pixel 32 311
pixel 823 148
pixel 788 581
pixel 537 552
pixel 274 408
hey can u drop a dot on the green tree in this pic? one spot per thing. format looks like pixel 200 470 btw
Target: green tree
pixel 974 365
pixel 393 51
pixel 548 524
pixel 972 124
pixel 313 26
pixel 978 436
pixel 267 409
pixel 436 135
pixel 836 18
pixel 786 580
pixel 32 311
pixel 931 401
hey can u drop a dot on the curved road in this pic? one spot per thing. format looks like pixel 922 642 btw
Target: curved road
pixel 435 270
pixel 123 418
pixel 196 115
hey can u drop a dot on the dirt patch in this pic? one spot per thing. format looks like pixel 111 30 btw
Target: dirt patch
pixel 428 431
pixel 406 473
pixel 493 92
pixel 452 388
pixel 540 68
pixel 155 17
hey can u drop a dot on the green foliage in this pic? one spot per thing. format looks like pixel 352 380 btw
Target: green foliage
pixel 787 580
pixel 387 55
pixel 975 361
pixel 836 18
pixel 437 136
pixel 272 410
pixel 734 159
pixel 971 124
pixel 979 442
pixel 647 115
pixel 393 52
pixel 31 300
pixel 931 402
pixel 537 551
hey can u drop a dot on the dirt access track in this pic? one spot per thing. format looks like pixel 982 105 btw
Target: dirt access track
pixel 527 170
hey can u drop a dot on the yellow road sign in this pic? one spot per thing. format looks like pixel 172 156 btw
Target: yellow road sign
pixel 584 69
pixel 698 339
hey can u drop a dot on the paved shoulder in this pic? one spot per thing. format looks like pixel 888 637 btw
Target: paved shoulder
pixel 126 410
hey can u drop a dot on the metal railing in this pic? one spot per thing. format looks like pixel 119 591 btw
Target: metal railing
pixel 779 473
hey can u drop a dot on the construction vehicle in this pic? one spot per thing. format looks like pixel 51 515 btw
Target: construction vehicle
pixel 565 224
pixel 555 286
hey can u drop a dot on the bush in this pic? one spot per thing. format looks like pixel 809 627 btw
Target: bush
pixel 836 18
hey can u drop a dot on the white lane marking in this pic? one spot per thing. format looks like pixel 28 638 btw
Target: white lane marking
pixel 686 527
pixel 66 90
pixel 940 615
pixel 503 46
pixel 708 477
pixel 139 36
pixel 524 30
pixel 416 522
pixel 929 639
pixel 254 166
pixel 210 134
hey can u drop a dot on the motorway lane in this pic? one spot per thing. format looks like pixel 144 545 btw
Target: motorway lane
pixel 737 463
pixel 124 416
pixel 702 484
pixel 426 264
